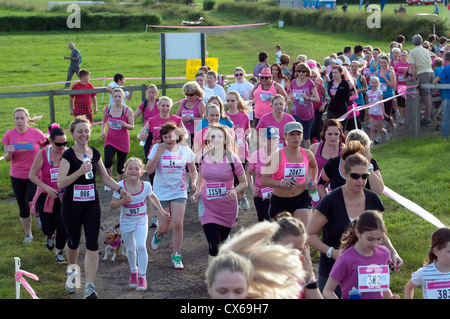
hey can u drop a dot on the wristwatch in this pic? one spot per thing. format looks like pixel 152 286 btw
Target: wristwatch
pixel 329 252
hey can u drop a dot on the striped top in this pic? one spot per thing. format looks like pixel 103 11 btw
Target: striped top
pixel 435 284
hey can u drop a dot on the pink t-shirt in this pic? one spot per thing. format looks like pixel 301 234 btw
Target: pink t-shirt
pixel 192 112
pixel 345 269
pixel 400 69
pixel 262 100
pixel 219 179
pixel 258 160
pixel 302 107
pixel 49 172
pixel 241 123
pixel 269 120
pixel 149 111
pixel 155 124
pixel 26 145
pixel 117 135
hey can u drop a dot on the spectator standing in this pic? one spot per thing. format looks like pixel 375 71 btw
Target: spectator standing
pixel 74 66
pixel 80 104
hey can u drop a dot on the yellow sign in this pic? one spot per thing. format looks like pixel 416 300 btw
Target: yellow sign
pixel 192 66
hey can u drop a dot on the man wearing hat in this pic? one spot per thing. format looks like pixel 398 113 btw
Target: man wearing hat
pixel 75 60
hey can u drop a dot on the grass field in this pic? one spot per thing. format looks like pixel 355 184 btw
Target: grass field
pixel 416 169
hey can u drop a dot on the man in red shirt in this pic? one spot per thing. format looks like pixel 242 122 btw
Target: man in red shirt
pixel 81 104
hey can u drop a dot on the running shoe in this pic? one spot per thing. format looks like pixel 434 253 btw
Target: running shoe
pixel 142 283
pixel 176 259
pixel 377 139
pixel 154 222
pixel 60 258
pixel 50 243
pixel 71 282
pixel 133 279
pixel 245 203
pixel 89 292
pixel 156 241
pixel 28 238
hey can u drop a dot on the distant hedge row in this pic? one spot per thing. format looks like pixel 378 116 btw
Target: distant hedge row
pixel 338 22
pixel 88 21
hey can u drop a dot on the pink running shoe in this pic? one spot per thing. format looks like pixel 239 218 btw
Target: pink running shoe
pixel 133 279
pixel 142 284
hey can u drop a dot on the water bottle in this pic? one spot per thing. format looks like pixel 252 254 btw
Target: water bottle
pixel 314 194
pixel 89 174
pixel 354 294
pixel 142 143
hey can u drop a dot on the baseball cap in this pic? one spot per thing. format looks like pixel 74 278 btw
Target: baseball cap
pixel 293 126
pixel 271 131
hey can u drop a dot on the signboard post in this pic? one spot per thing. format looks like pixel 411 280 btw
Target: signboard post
pixel 181 46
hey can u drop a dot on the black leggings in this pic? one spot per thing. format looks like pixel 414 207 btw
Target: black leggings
pixel 86 216
pixel 215 235
pixel 110 152
pixel 262 208
pixel 24 190
pixel 52 221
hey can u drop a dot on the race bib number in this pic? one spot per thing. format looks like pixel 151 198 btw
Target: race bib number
pixel 383 87
pixel 373 278
pixel 170 163
pixel 266 192
pixel 265 96
pixel 296 170
pixel 137 209
pixel 215 190
pixel 190 113
pixel 54 174
pixel 373 99
pixel 297 95
pixel 83 193
pixel 438 290
pixel 114 124
pixel 401 78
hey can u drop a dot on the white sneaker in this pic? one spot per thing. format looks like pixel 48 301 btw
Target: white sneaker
pixel 156 241
pixel 245 203
pixel 176 259
pixel 28 238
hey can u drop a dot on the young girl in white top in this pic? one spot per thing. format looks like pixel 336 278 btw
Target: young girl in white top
pixel 134 219
pixel 376 112
pixel 434 277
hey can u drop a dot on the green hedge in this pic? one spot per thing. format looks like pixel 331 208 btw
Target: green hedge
pixel 338 22
pixel 88 21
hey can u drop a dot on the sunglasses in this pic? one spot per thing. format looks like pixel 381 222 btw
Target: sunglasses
pixel 264 77
pixel 357 176
pixel 189 94
pixel 60 144
pixel 301 71
pixel 238 74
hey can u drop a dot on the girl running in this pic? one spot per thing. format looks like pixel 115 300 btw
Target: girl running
pixel 376 112
pixel 134 219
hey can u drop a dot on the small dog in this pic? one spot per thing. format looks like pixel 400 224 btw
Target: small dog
pixel 114 243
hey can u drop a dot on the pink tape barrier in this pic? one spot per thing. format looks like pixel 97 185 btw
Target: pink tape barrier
pixel 19 277
pixel 206 27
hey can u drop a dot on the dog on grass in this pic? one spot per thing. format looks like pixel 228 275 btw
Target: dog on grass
pixel 114 244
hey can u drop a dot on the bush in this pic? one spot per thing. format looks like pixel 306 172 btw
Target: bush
pixel 208 5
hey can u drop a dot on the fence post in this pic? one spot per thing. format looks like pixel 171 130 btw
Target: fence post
pixel 412 120
pixel 51 104
pixel 143 91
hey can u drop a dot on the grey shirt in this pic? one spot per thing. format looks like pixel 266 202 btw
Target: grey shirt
pixel 75 54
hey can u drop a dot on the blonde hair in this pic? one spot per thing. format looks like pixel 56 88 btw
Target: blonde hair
pixel 232 262
pixel 241 106
pixel 230 144
pixel 278 269
pixel 152 86
pixel 358 135
pixel 79 119
pixel 134 159
pixel 32 120
pixel 289 226
pixel 164 98
pixel 193 87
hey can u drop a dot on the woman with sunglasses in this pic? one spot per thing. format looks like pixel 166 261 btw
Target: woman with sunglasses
pixel 263 92
pixel 21 145
pixel 335 212
pixel 242 86
pixel 304 93
pixel 47 201
pixel 332 172
pixel 192 108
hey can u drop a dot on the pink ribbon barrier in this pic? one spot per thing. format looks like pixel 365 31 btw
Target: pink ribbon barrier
pixel 206 27
pixel 22 281
pixel 413 207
